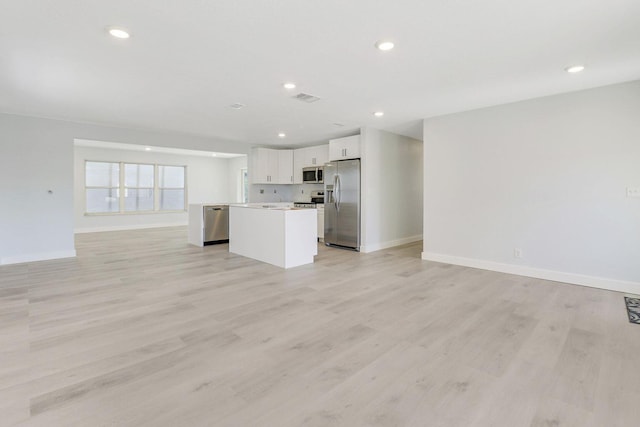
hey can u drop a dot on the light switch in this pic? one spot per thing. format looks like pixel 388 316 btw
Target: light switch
pixel 633 191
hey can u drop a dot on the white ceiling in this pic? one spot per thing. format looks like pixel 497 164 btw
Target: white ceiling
pixel 187 61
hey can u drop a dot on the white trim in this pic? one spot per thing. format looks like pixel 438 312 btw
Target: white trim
pixel 128 227
pixel 538 273
pixel 42 256
pixel 390 244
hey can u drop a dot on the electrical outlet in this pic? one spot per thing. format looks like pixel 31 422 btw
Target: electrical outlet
pixel 633 191
pixel 517 253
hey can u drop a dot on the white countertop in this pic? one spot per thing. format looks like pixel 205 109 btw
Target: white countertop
pixel 273 206
pixel 275 233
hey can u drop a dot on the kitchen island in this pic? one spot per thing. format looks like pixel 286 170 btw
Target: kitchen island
pixel 280 235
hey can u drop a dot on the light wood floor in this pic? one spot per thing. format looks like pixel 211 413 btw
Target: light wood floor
pixel 143 330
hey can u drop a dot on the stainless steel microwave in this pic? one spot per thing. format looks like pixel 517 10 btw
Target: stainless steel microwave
pixel 312 175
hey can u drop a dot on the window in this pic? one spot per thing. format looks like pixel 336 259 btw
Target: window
pixel 138 187
pixel 131 187
pixel 244 185
pixel 102 187
pixel 171 187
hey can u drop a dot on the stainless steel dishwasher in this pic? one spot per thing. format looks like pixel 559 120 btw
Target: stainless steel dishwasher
pixel 216 224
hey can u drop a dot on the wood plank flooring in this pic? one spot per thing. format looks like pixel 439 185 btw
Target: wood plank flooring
pixel 142 329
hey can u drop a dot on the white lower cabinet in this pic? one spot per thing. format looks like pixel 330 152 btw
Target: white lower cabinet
pixel 320 208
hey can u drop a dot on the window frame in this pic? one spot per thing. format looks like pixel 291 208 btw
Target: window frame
pixel 121 189
pixel 123 186
pixel 158 188
pixel 244 179
pixel 93 187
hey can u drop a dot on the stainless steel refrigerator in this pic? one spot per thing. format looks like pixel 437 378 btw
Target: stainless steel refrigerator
pixel 342 204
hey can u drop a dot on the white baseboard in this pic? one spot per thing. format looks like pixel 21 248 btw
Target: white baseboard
pixel 43 256
pixel 390 244
pixel 128 227
pixel 538 273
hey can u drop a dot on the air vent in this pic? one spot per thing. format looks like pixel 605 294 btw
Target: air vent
pixel 305 97
pixel 237 106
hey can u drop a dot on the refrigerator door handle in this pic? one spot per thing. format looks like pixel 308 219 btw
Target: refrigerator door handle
pixel 339 196
pixel 335 191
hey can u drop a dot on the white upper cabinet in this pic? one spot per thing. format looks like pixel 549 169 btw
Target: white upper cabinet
pixel 308 157
pixel 299 161
pixel 319 155
pixel 345 148
pixel 271 166
pixel 285 167
pixel 262 165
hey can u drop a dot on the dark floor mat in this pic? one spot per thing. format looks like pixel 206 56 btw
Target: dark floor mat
pixel 633 309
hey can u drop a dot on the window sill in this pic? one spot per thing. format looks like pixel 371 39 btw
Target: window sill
pixel 133 213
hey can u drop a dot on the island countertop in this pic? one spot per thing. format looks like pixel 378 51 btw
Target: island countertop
pixel 275 205
pixel 275 233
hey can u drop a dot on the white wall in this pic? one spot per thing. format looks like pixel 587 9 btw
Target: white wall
pixel 391 174
pixel 33 160
pixel 236 164
pixel 207 182
pixel 548 176
pixel 36 155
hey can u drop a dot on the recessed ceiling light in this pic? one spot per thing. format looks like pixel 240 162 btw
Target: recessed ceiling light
pixel 119 33
pixel 574 69
pixel 282 135
pixel 379 113
pixel 289 85
pixel 237 106
pixel 384 45
pixel 147 148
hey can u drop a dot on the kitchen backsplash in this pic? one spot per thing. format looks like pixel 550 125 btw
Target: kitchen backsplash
pixel 282 193
pixel 259 193
pixel 302 192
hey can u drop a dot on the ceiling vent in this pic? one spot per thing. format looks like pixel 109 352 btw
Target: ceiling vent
pixel 305 97
pixel 237 106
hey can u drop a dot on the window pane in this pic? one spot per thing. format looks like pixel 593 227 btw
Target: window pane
pixel 102 174
pixel 171 176
pixel 140 199
pixel 102 200
pixel 245 186
pixel 138 175
pixel 171 200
